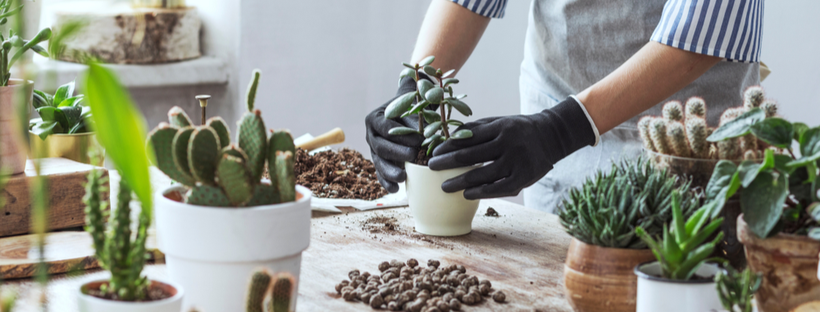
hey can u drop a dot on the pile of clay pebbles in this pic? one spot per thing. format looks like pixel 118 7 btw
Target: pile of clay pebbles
pixel 406 286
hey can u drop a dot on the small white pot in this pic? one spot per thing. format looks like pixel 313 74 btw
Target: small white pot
pixel 89 303
pixel 434 211
pixel 661 294
pixel 213 251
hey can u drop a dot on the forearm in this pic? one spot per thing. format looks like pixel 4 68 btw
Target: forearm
pixel 450 32
pixel 653 74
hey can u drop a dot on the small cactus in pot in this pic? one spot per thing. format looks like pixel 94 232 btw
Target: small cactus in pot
pixel 219 173
pixel 280 286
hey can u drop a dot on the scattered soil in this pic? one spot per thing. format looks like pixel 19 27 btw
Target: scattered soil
pixel 491 212
pixel 343 174
pixel 422 158
pixel 390 226
pixel 155 292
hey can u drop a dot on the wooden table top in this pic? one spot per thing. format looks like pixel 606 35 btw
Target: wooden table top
pixel 521 252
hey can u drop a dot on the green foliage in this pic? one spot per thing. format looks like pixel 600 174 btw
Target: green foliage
pixel 281 291
pixel 736 288
pixel 740 126
pixel 218 173
pixel 683 247
pixel 426 94
pixel 62 112
pixel 606 209
pixel 8 57
pixel 260 282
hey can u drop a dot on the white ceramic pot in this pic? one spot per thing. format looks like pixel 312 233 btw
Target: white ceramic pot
pixel 212 251
pixel 434 211
pixel 89 303
pixel 660 294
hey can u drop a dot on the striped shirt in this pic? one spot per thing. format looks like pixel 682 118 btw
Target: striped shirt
pixel 730 29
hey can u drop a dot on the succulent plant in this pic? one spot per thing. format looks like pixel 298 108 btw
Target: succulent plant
pixel 281 287
pixel 657 131
pixel 218 173
pixel 770 107
pixel 13 41
pixel 753 97
pixel 427 94
pixel 62 112
pixel 607 208
pixel 696 133
pixel 736 288
pixel 643 130
pixel 672 111
pixel 683 248
pixel 677 139
pixel 695 107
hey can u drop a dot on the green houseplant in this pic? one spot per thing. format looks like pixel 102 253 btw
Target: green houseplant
pixel 279 286
pixel 680 271
pixel 736 288
pixel 230 212
pixel 64 128
pixel 601 215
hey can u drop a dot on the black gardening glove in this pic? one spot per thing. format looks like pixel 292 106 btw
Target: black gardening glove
pixel 522 148
pixel 389 152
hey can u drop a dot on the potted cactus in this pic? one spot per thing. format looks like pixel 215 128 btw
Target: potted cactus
pixel 279 286
pixel 230 213
pixel 434 211
pixel 776 198
pixel 64 128
pixel 737 288
pixel 680 279
pixel 601 216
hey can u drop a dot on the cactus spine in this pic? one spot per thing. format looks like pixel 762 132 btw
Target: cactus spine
pixel 643 130
pixel 770 107
pixel 696 134
pixel 753 97
pixel 677 139
pixel 282 292
pixel 218 173
pixel 281 287
pixel 657 131
pixel 260 281
pixel 695 107
pixel 672 111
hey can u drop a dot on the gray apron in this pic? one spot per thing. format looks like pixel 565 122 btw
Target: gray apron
pixel 572 44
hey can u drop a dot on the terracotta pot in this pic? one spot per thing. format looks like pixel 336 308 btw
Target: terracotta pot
pixel 789 267
pixel 12 154
pixel 90 303
pixel 602 279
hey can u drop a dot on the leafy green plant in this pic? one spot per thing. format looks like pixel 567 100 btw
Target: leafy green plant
pixel 218 173
pixel 61 112
pixel 428 94
pixel 736 288
pixel 607 208
pixel 281 288
pixel 121 133
pixel 774 194
pixel 681 249
pixel 13 46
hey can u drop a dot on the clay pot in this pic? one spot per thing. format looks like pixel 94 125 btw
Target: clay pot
pixel 789 267
pixel 600 278
pixel 12 154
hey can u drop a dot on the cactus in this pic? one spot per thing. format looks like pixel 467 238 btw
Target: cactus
pixel 251 94
pixel 730 114
pixel 695 107
pixel 748 143
pixel 770 107
pixel 728 149
pixel 677 139
pixel 282 292
pixel 218 173
pixel 753 97
pixel 696 134
pixel 657 131
pixel 672 111
pixel 749 155
pixel 643 130
pixel 260 282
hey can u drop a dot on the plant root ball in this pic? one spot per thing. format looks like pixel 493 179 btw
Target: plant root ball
pixel 499 296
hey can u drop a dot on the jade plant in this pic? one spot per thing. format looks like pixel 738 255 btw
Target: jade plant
pixel 607 208
pixel 13 47
pixel 683 248
pixel 775 194
pixel 433 91
pixel 61 112
pixel 280 287
pixel 682 129
pixel 737 288
pixel 218 173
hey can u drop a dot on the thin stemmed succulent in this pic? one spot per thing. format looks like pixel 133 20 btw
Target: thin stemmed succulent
pixel 433 93
pixel 736 288
pixel 19 45
pixel 62 112
pixel 682 249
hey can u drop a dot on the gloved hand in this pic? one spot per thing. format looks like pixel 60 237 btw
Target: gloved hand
pixel 389 152
pixel 522 149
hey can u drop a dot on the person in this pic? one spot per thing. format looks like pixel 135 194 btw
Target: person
pixel 591 69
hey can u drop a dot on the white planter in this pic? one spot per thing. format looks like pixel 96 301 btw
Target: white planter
pixel 660 294
pixel 212 251
pixel 93 304
pixel 434 211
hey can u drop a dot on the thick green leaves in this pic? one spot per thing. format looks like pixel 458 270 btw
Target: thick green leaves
pixel 799 128
pixel 72 115
pixel 432 138
pixel 429 70
pixel 762 202
pixel 408 65
pixel 775 131
pixel 724 183
pixel 407 72
pixel 430 116
pixel 809 148
pixel 45 128
pixel 417 108
pixel 460 106
pixel 434 95
pixel 41 99
pixel 427 60
pixel 72 101
pixel 402 131
pixel 63 92
pixel 814 211
pixel 424 85
pixel 433 143
pixel 739 126
pixel 454 123
pixel 449 81
pixel 462 134
pixel 431 129
pixel 448 73
pixel 399 105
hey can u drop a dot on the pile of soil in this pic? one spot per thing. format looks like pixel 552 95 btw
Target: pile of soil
pixel 344 174
pixel 155 292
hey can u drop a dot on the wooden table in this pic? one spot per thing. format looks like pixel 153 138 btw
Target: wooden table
pixel 522 252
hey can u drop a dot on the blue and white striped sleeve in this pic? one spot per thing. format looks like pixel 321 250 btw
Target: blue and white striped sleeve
pixel 730 29
pixel 488 8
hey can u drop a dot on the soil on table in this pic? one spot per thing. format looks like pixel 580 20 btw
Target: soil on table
pixel 491 212
pixel 155 293
pixel 345 174
pixel 422 158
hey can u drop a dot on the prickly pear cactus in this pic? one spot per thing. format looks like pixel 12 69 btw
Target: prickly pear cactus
pixel 179 118
pixel 260 282
pixel 221 128
pixel 162 139
pixel 207 195
pixel 235 179
pixel 203 154
pixel 282 292
pixel 285 177
pixel 252 138
pixel 180 153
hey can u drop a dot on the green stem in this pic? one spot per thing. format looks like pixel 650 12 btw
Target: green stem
pixel 444 118
pixel 418 100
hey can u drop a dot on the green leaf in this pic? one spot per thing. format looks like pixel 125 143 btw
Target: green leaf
pixel 431 139
pixel 72 101
pixel 47 113
pixel 63 92
pixel 448 73
pixel 39 99
pixel 429 70
pixel 417 108
pixel 454 122
pixel 814 211
pixel 434 95
pixel 427 60
pixel 775 131
pixel 781 163
pixel 809 146
pixel 45 128
pixel 739 126
pixel 799 128
pixel 402 131
pixel 762 202
pixel 121 131
pixel 399 105
pixel 462 134
pixel 460 106
pixel 431 129
pixel 433 145
pixel 423 86
pixel 78 128
pixel 724 183
pixel 430 116
pixel 747 171
pixel 406 72
pixel 408 65
pixel 449 81
pixel 72 115
pixel 460 96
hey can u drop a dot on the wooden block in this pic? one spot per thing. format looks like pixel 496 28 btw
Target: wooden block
pixel 66 179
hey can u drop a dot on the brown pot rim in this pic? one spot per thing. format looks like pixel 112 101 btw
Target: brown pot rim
pixel 643 275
